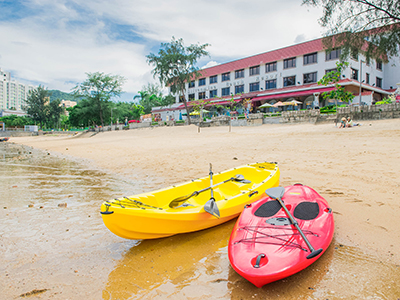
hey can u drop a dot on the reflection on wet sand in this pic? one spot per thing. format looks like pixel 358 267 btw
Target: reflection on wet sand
pixel 52 238
pixel 186 265
pixel 196 266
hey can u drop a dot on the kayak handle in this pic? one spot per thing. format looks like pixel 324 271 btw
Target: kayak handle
pixel 253 193
pixel 107 212
pixel 257 265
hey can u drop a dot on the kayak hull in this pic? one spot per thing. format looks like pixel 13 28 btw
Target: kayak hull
pixel 264 246
pixel 149 216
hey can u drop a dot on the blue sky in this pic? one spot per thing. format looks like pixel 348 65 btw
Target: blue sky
pixel 55 42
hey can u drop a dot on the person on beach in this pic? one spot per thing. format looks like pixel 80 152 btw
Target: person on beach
pixel 343 123
pixel 349 122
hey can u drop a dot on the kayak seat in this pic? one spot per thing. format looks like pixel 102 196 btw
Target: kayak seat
pixel 268 209
pixel 306 210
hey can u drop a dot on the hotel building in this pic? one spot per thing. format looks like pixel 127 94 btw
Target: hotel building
pixel 286 74
pixel 13 94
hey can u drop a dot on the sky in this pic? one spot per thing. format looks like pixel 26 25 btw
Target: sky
pixel 54 43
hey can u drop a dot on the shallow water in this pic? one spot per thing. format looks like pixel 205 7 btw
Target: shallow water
pixel 54 245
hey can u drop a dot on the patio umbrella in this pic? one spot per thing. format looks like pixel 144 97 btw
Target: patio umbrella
pixel 279 103
pixel 265 105
pixel 290 103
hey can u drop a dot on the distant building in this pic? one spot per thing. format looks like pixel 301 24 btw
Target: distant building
pixel 287 74
pixel 8 112
pixel 13 94
pixel 66 104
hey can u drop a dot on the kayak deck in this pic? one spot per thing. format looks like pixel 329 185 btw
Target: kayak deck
pixel 148 215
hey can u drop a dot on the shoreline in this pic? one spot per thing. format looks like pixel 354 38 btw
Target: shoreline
pixel 354 169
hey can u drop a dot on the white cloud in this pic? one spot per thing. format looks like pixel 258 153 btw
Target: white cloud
pixel 65 39
pixel 210 64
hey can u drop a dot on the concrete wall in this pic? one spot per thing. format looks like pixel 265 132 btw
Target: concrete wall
pixel 299 116
pixel 139 125
pixel 370 112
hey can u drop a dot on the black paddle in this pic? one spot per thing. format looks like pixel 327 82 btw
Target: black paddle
pixel 277 193
pixel 179 200
pixel 210 206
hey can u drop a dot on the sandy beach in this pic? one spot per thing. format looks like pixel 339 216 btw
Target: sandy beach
pixel 355 169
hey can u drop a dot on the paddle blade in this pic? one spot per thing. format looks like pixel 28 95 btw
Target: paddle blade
pixel 276 192
pixel 238 177
pixel 212 208
pixel 180 200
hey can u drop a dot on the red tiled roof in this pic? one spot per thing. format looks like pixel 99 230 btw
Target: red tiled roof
pixel 263 58
pixel 293 94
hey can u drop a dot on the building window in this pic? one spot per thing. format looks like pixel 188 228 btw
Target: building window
pixel 239 89
pixel 379 82
pixel 354 74
pixel 226 76
pixel 226 91
pixel 270 67
pixel 255 70
pixel 334 54
pixel 191 84
pixel 202 95
pixel 330 70
pixel 289 81
pixel 213 94
pixel 202 81
pixel 213 79
pixel 270 84
pixel 191 97
pixel 180 98
pixel 379 65
pixel 239 74
pixel 310 58
pixel 310 77
pixel 255 86
pixel 289 63
pixel 367 78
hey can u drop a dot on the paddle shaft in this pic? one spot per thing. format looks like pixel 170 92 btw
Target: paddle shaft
pixel 211 183
pixel 294 222
pixel 213 186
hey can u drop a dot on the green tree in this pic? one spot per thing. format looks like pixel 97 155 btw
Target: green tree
pixel 16 121
pixel 151 96
pixel 350 23
pixel 35 105
pixel 145 100
pixel 83 114
pixel 54 112
pixel 167 100
pixel 332 78
pixel 175 65
pixel 97 90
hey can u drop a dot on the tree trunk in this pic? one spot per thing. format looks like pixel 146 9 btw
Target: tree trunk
pixel 187 109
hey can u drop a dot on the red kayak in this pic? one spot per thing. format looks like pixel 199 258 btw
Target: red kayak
pixel 280 234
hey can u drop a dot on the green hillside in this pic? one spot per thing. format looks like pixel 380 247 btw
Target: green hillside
pixel 56 94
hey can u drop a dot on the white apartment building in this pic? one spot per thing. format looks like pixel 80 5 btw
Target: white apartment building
pixel 13 94
pixel 289 73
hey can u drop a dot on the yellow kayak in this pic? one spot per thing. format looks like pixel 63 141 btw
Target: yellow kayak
pixel 190 206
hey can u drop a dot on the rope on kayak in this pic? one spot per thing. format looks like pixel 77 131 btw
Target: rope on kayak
pixel 262 235
pixel 128 202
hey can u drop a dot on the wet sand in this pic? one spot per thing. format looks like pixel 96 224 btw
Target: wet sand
pixel 355 169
